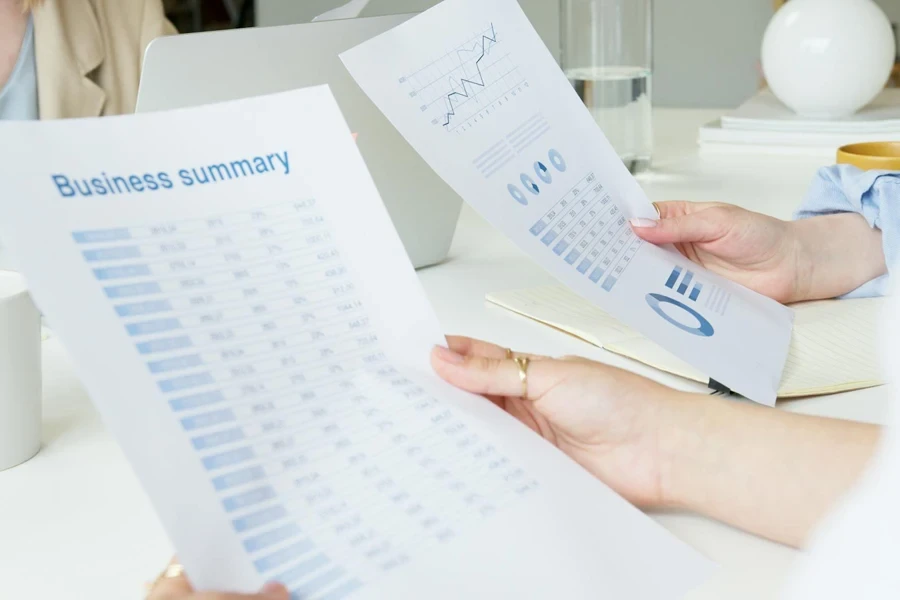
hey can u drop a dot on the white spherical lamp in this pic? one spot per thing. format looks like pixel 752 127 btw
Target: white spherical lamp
pixel 828 58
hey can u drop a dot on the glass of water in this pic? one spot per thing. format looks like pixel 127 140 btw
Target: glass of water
pixel 607 54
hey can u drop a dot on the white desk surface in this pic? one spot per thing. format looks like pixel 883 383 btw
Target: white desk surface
pixel 75 524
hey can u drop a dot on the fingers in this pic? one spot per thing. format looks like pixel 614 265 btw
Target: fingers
pixel 494 376
pixel 179 588
pixel 671 209
pixel 695 227
pixel 167 591
pixel 472 347
pixel 170 588
pixel 272 591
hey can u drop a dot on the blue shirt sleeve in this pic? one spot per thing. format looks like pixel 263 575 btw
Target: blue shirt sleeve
pixel 873 194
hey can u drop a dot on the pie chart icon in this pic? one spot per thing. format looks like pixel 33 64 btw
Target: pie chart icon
pixel 530 185
pixel 517 195
pixel 542 172
pixel 557 160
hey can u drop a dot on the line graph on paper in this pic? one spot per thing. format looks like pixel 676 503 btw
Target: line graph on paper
pixel 468 83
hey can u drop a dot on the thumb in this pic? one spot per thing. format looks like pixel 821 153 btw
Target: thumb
pixel 275 591
pixel 699 227
pixel 271 591
pixel 499 377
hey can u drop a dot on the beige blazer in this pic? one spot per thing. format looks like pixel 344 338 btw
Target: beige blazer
pixel 89 54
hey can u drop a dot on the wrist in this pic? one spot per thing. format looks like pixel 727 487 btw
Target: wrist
pixel 834 255
pixel 803 256
pixel 686 423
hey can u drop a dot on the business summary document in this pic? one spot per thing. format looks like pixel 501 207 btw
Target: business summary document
pixel 243 314
pixel 473 88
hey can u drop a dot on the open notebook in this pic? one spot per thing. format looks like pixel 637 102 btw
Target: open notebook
pixel 833 348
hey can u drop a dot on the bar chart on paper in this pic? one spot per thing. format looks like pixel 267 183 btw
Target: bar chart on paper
pixel 330 464
pixel 468 83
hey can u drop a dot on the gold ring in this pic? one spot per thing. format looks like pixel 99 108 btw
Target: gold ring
pixel 658 213
pixel 522 362
pixel 509 354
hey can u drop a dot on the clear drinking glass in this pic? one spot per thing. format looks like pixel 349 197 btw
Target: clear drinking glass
pixel 607 54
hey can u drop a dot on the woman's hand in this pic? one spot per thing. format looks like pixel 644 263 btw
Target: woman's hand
pixel 763 470
pixel 173 585
pixel 788 261
pixel 754 250
pixel 606 419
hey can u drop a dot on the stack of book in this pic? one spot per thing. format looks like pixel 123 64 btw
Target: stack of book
pixel 764 125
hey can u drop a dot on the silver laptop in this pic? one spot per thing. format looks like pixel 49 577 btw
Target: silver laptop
pixel 194 69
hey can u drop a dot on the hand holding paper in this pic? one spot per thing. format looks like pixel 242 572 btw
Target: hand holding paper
pixel 472 87
pixel 790 261
pixel 607 419
pixel 258 343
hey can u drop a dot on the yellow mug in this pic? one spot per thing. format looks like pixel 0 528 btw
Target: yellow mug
pixel 883 156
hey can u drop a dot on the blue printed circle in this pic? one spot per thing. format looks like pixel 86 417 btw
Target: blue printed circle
pixel 543 172
pixel 517 195
pixel 530 185
pixel 557 160
pixel 703 328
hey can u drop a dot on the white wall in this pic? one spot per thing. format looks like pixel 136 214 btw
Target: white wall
pixel 544 13
pixel 706 52
pixel 891 9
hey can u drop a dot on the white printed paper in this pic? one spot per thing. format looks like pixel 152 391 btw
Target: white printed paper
pixel 472 87
pixel 246 320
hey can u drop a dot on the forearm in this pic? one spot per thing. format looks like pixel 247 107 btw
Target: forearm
pixel 766 471
pixel 836 254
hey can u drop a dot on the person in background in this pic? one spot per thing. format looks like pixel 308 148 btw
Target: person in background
pixel 74 58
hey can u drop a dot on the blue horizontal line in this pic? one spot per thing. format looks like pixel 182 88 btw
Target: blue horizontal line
pixel 250 498
pixel 270 538
pixel 101 235
pixel 186 382
pixel 259 518
pixel 115 253
pixel 284 555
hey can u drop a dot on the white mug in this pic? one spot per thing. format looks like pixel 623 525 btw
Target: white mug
pixel 20 372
